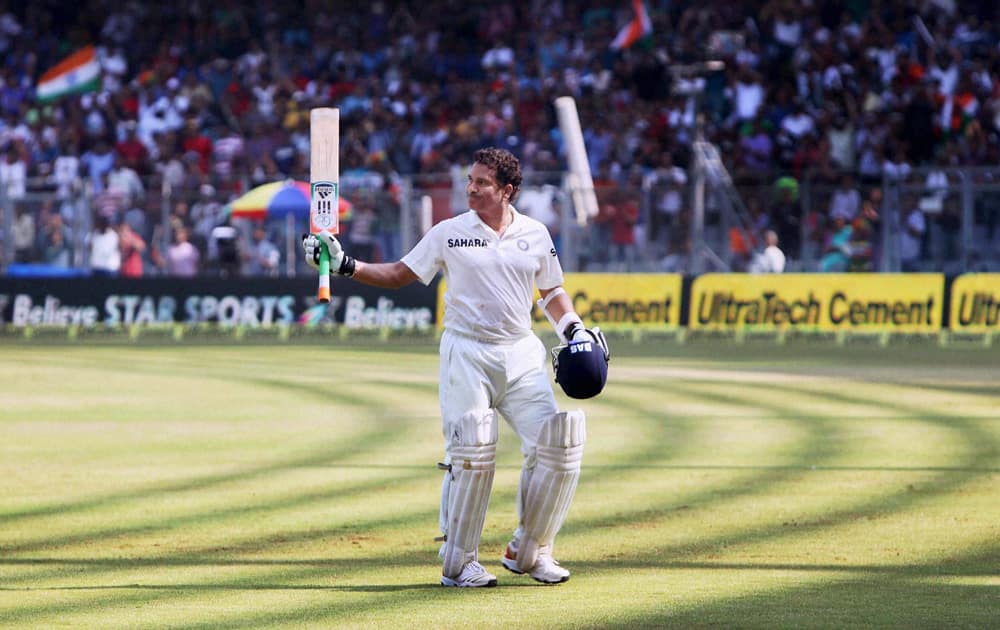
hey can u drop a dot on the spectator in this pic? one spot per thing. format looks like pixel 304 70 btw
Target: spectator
pixel 846 200
pixel 748 95
pixel 105 249
pixel 599 141
pixel 865 233
pixel 363 228
pixel 911 236
pixel 97 163
pixel 948 225
pixel 668 185
pixel 741 245
pixel 263 256
pixel 23 230
pixel 57 252
pixel 918 125
pixel 772 259
pixel 600 246
pixel 123 179
pixel 109 201
pixel 196 143
pixel 180 215
pixel 14 172
pixel 798 124
pixel 678 258
pixel 227 150
pixel 135 216
pixel 624 214
pixel 937 182
pixel 837 250
pixel 388 237
pixel 840 136
pixel 205 213
pixel 896 167
pixel 66 176
pixel 134 153
pixel 757 148
pixel 133 248
pixel 182 257
pixel 786 219
pixel 170 167
pixel 55 241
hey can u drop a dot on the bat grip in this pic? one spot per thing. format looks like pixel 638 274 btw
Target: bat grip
pixel 323 294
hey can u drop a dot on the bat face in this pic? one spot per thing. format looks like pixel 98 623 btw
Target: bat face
pixel 324 202
pixel 324 184
pixel 324 169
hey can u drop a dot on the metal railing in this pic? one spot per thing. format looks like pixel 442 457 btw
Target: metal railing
pixel 703 221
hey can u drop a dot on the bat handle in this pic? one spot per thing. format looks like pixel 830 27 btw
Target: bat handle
pixel 324 274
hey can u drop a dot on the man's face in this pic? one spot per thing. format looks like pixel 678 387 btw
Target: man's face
pixel 483 191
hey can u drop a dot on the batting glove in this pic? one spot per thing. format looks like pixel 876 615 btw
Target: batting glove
pixel 340 262
pixel 577 332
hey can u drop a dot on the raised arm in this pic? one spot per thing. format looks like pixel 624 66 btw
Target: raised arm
pixel 386 275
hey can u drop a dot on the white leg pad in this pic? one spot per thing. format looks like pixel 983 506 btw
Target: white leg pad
pixel 465 493
pixel 548 490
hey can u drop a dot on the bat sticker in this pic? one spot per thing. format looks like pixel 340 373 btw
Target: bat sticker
pixel 325 201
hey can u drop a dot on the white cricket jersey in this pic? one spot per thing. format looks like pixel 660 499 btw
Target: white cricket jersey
pixel 490 279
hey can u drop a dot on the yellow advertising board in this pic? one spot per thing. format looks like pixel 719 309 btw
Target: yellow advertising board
pixel 975 303
pixel 819 302
pixel 624 300
pixel 611 301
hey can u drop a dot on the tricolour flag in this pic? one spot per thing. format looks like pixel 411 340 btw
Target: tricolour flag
pixel 78 73
pixel 639 27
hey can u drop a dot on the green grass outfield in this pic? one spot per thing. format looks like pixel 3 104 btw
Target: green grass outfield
pixel 294 486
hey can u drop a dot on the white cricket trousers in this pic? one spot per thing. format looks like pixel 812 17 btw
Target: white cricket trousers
pixel 511 378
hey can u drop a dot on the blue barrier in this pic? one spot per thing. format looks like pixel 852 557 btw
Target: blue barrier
pixel 34 270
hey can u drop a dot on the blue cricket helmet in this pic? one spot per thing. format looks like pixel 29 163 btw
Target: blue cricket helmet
pixel 581 367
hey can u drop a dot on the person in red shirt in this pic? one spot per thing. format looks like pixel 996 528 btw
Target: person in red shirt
pixel 134 152
pixel 194 141
pixel 624 214
pixel 133 246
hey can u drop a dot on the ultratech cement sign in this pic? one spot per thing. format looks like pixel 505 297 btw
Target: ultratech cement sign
pixel 858 302
pixel 975 303
pixel 251 302
pixel 634 299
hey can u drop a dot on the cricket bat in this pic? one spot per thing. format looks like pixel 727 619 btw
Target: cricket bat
pixel 324 184
pixel 581 179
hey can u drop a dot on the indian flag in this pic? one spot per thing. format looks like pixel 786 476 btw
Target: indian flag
pixel 639 27
pixel 78 73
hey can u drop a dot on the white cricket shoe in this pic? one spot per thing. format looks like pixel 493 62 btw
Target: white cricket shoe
pixel 473 575
pixel 546 569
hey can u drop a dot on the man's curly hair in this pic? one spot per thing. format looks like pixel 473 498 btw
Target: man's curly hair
pixel 504 164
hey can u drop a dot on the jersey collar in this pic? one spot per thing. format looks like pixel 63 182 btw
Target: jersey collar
pixel 513 228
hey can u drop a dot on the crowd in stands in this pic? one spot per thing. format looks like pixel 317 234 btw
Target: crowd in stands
pixel 211 97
